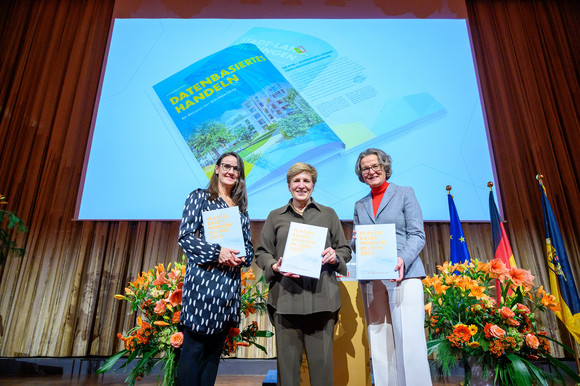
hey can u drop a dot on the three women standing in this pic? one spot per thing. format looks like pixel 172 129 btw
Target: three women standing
pixel 304 310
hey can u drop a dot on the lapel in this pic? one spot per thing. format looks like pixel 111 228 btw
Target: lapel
pixel 387 197
pixel 368 205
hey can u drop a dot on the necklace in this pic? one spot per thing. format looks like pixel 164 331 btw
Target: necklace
pixel 300 212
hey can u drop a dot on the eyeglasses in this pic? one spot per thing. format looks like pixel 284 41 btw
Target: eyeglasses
pixel 227 168
pixel 374 168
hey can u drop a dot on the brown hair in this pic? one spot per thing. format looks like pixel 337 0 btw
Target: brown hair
pixel 238 193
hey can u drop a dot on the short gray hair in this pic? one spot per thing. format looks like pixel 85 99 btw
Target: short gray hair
pixel 384 160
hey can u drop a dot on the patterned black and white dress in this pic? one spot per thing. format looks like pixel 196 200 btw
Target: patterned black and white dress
pixel 211 291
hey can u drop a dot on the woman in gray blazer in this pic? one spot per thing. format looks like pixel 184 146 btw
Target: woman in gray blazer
pixel 394 309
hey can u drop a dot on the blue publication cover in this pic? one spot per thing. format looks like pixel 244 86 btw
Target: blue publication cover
pixel 236 100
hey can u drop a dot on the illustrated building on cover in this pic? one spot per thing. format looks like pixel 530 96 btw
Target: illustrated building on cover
pixel 236 100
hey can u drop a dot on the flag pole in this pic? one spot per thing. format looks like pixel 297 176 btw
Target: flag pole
pixel 540 178
pixel 448 188
pixel 575 351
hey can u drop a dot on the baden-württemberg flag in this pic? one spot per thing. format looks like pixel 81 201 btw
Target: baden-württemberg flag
pixel 562 284
pixel 459 251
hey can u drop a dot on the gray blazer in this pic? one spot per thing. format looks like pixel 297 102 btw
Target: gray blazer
pixel 399 206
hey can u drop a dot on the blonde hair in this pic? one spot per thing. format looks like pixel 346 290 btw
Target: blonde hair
pixel 300 167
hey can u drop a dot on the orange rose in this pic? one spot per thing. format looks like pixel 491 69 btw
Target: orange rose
pixel 512 322
pixel 160 307
pixel 506 312
pixel 522 309
pixel 234 332
pixel 532 341
pixel 496 332
pixel 176 339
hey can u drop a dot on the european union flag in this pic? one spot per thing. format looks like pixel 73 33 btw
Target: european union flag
pixel 459 251
pixel 562 284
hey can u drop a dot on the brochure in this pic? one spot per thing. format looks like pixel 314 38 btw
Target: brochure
pixel 376 252
pixel 223 226
pixel 303 250
pixel 236 100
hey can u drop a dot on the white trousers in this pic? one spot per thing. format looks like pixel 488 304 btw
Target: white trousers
pixel 395 316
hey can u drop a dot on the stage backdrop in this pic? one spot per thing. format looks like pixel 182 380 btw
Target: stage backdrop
pixel 57 300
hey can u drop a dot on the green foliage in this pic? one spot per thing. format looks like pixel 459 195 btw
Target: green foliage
pixel 301 118
pixel 9 222
pixel 209 137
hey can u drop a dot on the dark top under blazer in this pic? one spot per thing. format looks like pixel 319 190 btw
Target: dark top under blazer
pixel 211 291
pixel 399 206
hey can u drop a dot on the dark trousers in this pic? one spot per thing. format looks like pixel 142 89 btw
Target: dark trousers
pixel 313 333
pixel 200 357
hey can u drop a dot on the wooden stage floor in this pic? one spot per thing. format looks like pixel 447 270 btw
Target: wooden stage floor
pixel 114 379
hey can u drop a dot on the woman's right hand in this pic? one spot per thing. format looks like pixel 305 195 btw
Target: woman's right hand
pixel 276 268
pixel 354 234
pixel 228 257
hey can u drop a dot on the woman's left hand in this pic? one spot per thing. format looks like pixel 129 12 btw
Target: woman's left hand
pixel 401 268
pixel 329 256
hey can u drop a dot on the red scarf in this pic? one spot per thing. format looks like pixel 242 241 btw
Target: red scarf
pixel 378 194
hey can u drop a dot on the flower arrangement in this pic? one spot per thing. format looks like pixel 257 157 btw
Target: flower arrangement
pixel 466 322
pixel 157 295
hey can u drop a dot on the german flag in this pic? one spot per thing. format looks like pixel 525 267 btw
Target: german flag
pixel 501 245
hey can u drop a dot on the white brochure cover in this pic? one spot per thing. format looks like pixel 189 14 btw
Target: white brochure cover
pixel 303 251
pixel 223 226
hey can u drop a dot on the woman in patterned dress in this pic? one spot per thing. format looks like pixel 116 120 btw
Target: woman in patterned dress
pixel 211 288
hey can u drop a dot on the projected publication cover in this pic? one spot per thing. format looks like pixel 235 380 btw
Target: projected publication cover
pixel 279 91
pixel 236 100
